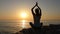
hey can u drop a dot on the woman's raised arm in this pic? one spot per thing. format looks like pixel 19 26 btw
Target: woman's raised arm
pixel 39 8
pixel 32 10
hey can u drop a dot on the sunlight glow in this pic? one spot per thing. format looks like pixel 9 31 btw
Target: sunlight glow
pixel 23 15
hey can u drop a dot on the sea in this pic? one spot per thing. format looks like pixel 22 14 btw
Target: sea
pixel 13 26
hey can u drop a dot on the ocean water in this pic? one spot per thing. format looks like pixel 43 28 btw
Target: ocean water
pixel 13 26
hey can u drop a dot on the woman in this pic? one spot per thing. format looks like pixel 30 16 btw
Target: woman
pixel 36 16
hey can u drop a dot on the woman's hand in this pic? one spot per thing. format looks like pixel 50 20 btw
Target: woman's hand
pixel 36 4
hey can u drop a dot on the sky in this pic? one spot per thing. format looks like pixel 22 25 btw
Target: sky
pixel 12 9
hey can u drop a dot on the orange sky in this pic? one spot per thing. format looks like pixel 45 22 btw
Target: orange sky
pixel 12 9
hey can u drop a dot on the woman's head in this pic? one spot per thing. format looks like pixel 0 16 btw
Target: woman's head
pixel 37 10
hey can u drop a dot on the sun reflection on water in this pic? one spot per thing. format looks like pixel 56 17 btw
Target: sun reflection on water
pixel 23 23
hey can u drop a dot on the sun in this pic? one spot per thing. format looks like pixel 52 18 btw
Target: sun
pixel 23 15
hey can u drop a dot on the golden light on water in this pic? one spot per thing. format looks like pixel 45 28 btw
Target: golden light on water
pixel 23 23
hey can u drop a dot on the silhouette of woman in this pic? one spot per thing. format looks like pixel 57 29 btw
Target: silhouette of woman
pixel 36 16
